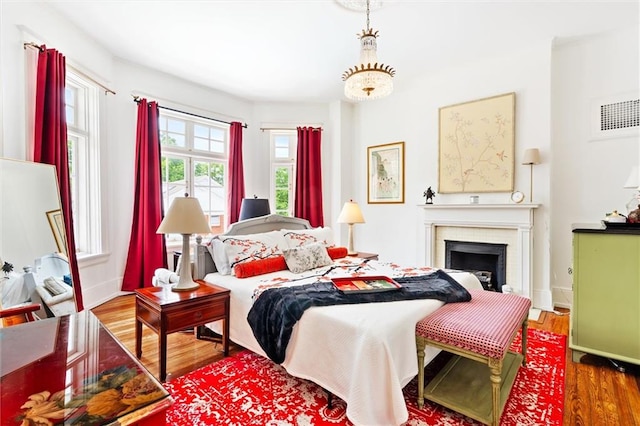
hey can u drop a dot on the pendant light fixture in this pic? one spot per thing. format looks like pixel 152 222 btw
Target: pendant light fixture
pixel 369 79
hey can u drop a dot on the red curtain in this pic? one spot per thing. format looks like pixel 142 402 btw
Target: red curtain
pixel 308 201
pixel 147 249
pixel 235 173
pixel 50 143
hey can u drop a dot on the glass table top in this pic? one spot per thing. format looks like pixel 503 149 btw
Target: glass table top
pixel 70 370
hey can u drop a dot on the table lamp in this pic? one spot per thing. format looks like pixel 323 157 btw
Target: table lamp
pixel 351 214
pixel 185 216
pixel 254 207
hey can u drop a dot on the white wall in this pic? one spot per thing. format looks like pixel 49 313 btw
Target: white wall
pixel 588 175
pixel 412 116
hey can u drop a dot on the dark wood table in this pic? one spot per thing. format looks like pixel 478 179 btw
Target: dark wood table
pixel 73 361
pixel 166 311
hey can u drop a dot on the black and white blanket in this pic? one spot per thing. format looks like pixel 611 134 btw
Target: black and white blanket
pixel 275 312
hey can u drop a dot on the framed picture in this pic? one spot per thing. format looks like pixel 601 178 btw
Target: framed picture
pixel 477 146
pixel 56 221
pixel 385 173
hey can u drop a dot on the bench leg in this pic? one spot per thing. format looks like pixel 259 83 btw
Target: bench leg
pixel 420 345
pixel 495 366
pixel 525 326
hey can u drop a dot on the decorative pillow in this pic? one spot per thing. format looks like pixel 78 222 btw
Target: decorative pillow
pixel 303 237
pixel 219 256
pixel 304 258
pixel 245 248
pixel 259 267
pixel 337 252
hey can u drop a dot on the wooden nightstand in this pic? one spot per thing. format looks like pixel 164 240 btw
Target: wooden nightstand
pixel 368 256
pixel 165 311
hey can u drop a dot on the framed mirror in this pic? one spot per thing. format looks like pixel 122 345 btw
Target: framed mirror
pixel 33 240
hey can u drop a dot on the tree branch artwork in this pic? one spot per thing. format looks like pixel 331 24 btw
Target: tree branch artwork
pixel 477 146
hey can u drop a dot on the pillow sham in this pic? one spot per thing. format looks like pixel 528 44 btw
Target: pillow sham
pixel 246 248
pixel 260 267
pixel 306 257
pixel 303 237
pixel 219 256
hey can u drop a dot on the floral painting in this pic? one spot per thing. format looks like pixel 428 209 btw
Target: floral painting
pixel 477 143
pixel 385 171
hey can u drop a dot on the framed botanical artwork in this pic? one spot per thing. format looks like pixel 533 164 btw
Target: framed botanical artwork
pixel 477 146
pixel 385 173
pixel 56 221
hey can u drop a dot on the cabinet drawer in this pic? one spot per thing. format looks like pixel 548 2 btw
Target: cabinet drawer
pixel 197 315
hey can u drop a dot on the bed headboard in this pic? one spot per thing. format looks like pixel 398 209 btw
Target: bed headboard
pixel 273 222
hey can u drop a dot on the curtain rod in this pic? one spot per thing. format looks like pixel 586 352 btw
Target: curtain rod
pixel 41 49
pixel 136 99
pixel 288 128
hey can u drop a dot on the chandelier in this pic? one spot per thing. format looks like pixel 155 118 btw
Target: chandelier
pixel 370 79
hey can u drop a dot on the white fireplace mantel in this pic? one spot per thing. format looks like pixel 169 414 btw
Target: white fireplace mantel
pixel 501 216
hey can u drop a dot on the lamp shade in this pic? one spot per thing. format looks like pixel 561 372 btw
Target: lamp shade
pixel 633 181
pixel 350 213
pixel 531 156
pixel 185 216
pixel 254 207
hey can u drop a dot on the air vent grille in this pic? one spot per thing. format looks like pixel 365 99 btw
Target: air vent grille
pixel 620 115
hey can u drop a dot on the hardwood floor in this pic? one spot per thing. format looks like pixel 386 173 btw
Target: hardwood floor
pixel 595 393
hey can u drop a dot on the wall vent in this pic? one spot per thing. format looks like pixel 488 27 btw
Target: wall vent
pixel 616 117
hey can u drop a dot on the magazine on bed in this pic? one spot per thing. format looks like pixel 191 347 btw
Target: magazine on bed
pixel 365 284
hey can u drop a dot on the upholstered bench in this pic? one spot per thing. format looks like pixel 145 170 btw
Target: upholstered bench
pixel 479 333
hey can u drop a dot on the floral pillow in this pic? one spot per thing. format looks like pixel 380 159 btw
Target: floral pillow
pixel 309 236
pixel 304 258
pixel 246 248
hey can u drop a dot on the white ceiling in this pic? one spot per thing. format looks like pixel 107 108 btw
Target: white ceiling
pixel 288 50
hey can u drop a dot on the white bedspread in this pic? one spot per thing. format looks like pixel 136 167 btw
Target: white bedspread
pixel 363 353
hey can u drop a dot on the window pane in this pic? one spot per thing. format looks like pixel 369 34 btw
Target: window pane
pixel 282 177
pixel 201 131
pixel 217 133
pixel 201 144
pixel 217 147
pixel 210 192
pixel 176 126
pixel 281 146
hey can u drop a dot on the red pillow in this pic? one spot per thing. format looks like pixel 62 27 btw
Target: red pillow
pixel 259 267
pixel 337 252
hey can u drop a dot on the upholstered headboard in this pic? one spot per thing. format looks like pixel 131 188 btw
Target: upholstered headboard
pixel 273 222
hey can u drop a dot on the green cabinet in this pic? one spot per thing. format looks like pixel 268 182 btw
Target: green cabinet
pixel 605 317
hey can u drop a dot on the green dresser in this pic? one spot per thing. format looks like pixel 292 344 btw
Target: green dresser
pixel 605 317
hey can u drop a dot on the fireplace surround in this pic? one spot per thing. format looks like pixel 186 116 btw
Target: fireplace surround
pixel 515 218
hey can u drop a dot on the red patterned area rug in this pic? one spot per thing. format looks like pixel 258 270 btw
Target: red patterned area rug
pixel 247 389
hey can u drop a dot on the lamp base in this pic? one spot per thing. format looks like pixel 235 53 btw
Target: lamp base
pixel 186 286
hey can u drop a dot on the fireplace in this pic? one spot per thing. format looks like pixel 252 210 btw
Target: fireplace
pixel 486 260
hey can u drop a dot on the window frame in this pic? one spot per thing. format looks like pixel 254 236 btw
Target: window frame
pixel 278 162
pixel 191 156
pixel 83 138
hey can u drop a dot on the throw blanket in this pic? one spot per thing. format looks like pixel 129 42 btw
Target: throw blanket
pixel 277 310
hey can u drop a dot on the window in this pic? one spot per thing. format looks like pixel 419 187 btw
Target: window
pixel 283 162
pixel 194 161
pixel 82 109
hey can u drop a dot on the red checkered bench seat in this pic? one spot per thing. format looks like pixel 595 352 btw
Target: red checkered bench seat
pixel 480 330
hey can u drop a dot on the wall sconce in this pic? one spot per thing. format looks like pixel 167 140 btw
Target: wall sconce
pixel 531 157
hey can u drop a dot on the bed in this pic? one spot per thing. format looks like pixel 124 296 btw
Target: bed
pixel 363 353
